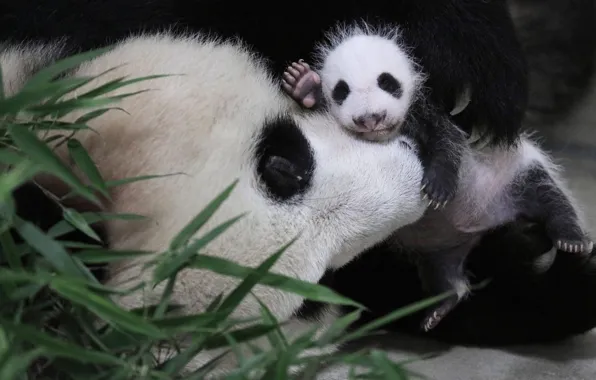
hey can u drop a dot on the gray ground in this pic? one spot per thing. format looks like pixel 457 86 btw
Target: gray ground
pixel 573 143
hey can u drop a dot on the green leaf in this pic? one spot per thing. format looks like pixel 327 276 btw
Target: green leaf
pixel 176 261
pixel 186 323
pixel 10 156
pixel 17 364
pixel 41 154
pixel 305 289
pixel 47 74
pixel 105 309
pixel 96 113
pixel 118 83
pixel 63 227
pixel 393 316
pixel 233 299
pixel 22 172
pixel 57 347
pixel 239 336
pixel 9 250
pixel 101 256
pixel 385 365
pixel 176 363
pixel 77 220
pixel 338 327
pixel 81 158
pixel 124 181
pixel 276 338
pixel 49 248
pixel 25 99
pixel 203 217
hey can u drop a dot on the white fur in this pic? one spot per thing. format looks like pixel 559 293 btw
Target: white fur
pixel 358 55
pixel 205 124
pixel 19 61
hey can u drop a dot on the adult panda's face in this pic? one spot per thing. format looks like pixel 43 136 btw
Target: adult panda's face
pixel 348 191
pixel 299 175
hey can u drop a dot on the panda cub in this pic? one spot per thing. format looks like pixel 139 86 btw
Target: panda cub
pixel 369 82
pixel 497 185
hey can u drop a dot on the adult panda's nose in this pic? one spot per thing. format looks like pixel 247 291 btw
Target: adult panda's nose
pixel 370 121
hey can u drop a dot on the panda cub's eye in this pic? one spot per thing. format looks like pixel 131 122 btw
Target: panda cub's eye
pixel 340 92
pixel 389 84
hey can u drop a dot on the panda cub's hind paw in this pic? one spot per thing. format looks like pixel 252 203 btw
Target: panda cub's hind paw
pixel 574 245
pixel 437 314
pixel 301 83
pixel 438 188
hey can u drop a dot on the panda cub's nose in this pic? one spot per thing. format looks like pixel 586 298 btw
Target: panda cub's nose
pixel 370 121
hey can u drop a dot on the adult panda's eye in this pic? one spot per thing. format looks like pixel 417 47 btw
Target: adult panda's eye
pixel 389 84
pixel 340 92
pixel 282 176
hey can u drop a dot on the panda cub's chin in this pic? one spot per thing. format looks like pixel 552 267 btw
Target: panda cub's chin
pixel 380 135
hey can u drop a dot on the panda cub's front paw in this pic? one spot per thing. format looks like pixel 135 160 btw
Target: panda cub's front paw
pixel 439 187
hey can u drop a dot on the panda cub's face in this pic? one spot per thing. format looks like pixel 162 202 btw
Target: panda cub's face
pixel 369 82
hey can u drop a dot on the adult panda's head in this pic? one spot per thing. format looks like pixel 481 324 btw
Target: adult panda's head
pixel 225 118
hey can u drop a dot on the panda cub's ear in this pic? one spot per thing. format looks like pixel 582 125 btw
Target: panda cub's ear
pixel 282 177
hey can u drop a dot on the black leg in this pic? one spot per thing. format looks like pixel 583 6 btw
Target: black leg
pixel 543 200
pixel 442 272
pixel 441 145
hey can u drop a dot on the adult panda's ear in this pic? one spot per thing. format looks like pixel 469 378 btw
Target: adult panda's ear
pixel 282 178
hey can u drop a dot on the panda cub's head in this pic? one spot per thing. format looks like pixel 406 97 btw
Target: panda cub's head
pixel 368 80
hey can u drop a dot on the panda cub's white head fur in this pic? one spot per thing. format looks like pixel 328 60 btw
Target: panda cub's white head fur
pixel 299 174
pixel 368 79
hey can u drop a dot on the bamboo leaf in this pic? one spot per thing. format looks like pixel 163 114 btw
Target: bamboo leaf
pixel 305 289
pixel 100 256
pixel 105 309
pixel 47 74
pixel 203 217
pixel 63 227
pixel 43 156
pixel 57 347
pixel 86 164
pixel 177 261
pixel 120 182
pixel 74 218
pixel 49 248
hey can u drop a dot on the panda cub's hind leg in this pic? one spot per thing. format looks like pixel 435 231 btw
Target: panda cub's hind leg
pixel 543 199
pixel 442 272
pixel 302 83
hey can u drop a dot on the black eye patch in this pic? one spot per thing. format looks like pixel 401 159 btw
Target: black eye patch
pixel 340 92
pixel 388 83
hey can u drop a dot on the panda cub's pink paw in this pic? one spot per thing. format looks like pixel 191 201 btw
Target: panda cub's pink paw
pixel 301 83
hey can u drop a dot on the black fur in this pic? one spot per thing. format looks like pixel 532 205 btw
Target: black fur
pixel 285 161
pixel 340 92
pixel 389 84
pixel 458 42
pixel 518 306
pixel 440 146
pixel 559 39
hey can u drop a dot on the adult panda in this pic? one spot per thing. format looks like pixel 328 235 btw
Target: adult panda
pixel 227 119
pixel 519 306
pixel 461 44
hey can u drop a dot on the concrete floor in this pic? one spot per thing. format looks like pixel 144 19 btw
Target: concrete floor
pixel 573 144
